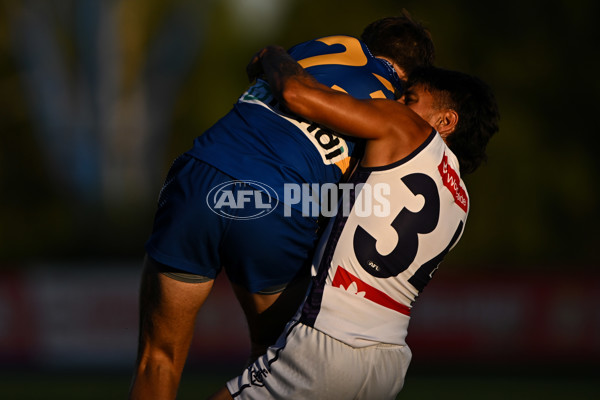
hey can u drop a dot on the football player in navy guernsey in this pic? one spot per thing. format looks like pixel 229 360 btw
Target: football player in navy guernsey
pixel 224 204
pixel 347 339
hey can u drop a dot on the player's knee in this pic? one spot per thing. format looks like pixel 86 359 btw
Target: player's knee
pixel 159 358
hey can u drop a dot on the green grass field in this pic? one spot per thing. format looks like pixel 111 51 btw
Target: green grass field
pixel 196 385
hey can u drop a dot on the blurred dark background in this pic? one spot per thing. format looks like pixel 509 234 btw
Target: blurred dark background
pixel 99 96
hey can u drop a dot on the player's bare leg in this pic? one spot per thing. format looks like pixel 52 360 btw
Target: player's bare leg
pixel 267 314
pixel 168 310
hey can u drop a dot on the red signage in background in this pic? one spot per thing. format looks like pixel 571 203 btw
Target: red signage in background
pixel 87 317
pixel 515 318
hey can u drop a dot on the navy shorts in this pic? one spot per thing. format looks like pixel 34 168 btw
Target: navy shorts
pixel 193 233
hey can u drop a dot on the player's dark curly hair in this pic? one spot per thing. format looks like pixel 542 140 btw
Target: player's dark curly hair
pixel 401 39
pixel 475 104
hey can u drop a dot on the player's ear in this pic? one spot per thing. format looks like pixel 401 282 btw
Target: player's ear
pixel 447 121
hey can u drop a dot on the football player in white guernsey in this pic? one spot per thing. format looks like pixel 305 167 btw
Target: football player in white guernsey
pixel 252 148
pixel 347 340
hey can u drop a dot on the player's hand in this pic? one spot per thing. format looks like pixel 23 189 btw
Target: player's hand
pixel 254 69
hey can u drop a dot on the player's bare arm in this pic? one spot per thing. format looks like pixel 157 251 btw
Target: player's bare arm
pixel 394 130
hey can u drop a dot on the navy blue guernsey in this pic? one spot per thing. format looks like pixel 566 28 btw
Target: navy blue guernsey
pixel 257 141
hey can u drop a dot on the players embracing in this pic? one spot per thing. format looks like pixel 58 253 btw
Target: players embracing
pixel 312 112
pixel 347 340
pixel 251 154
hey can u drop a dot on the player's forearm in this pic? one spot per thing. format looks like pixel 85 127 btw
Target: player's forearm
pixel 335 110
pixel 303 95
pixel 300 93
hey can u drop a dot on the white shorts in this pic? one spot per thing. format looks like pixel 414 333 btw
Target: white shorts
pixel 307 364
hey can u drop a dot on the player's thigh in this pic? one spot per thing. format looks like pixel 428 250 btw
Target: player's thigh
pixel 388 367
pixel 303 364
pixel 268 252
pixel 168 310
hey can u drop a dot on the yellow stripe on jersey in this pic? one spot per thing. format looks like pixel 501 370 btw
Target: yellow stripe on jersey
pixel 346 166
pixel 378 95
pixel 353 56
pixel 385 82
pixel 375 95
pixel 336 87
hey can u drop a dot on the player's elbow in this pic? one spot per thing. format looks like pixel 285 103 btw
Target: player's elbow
pixel 291 95
pixel 301 98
